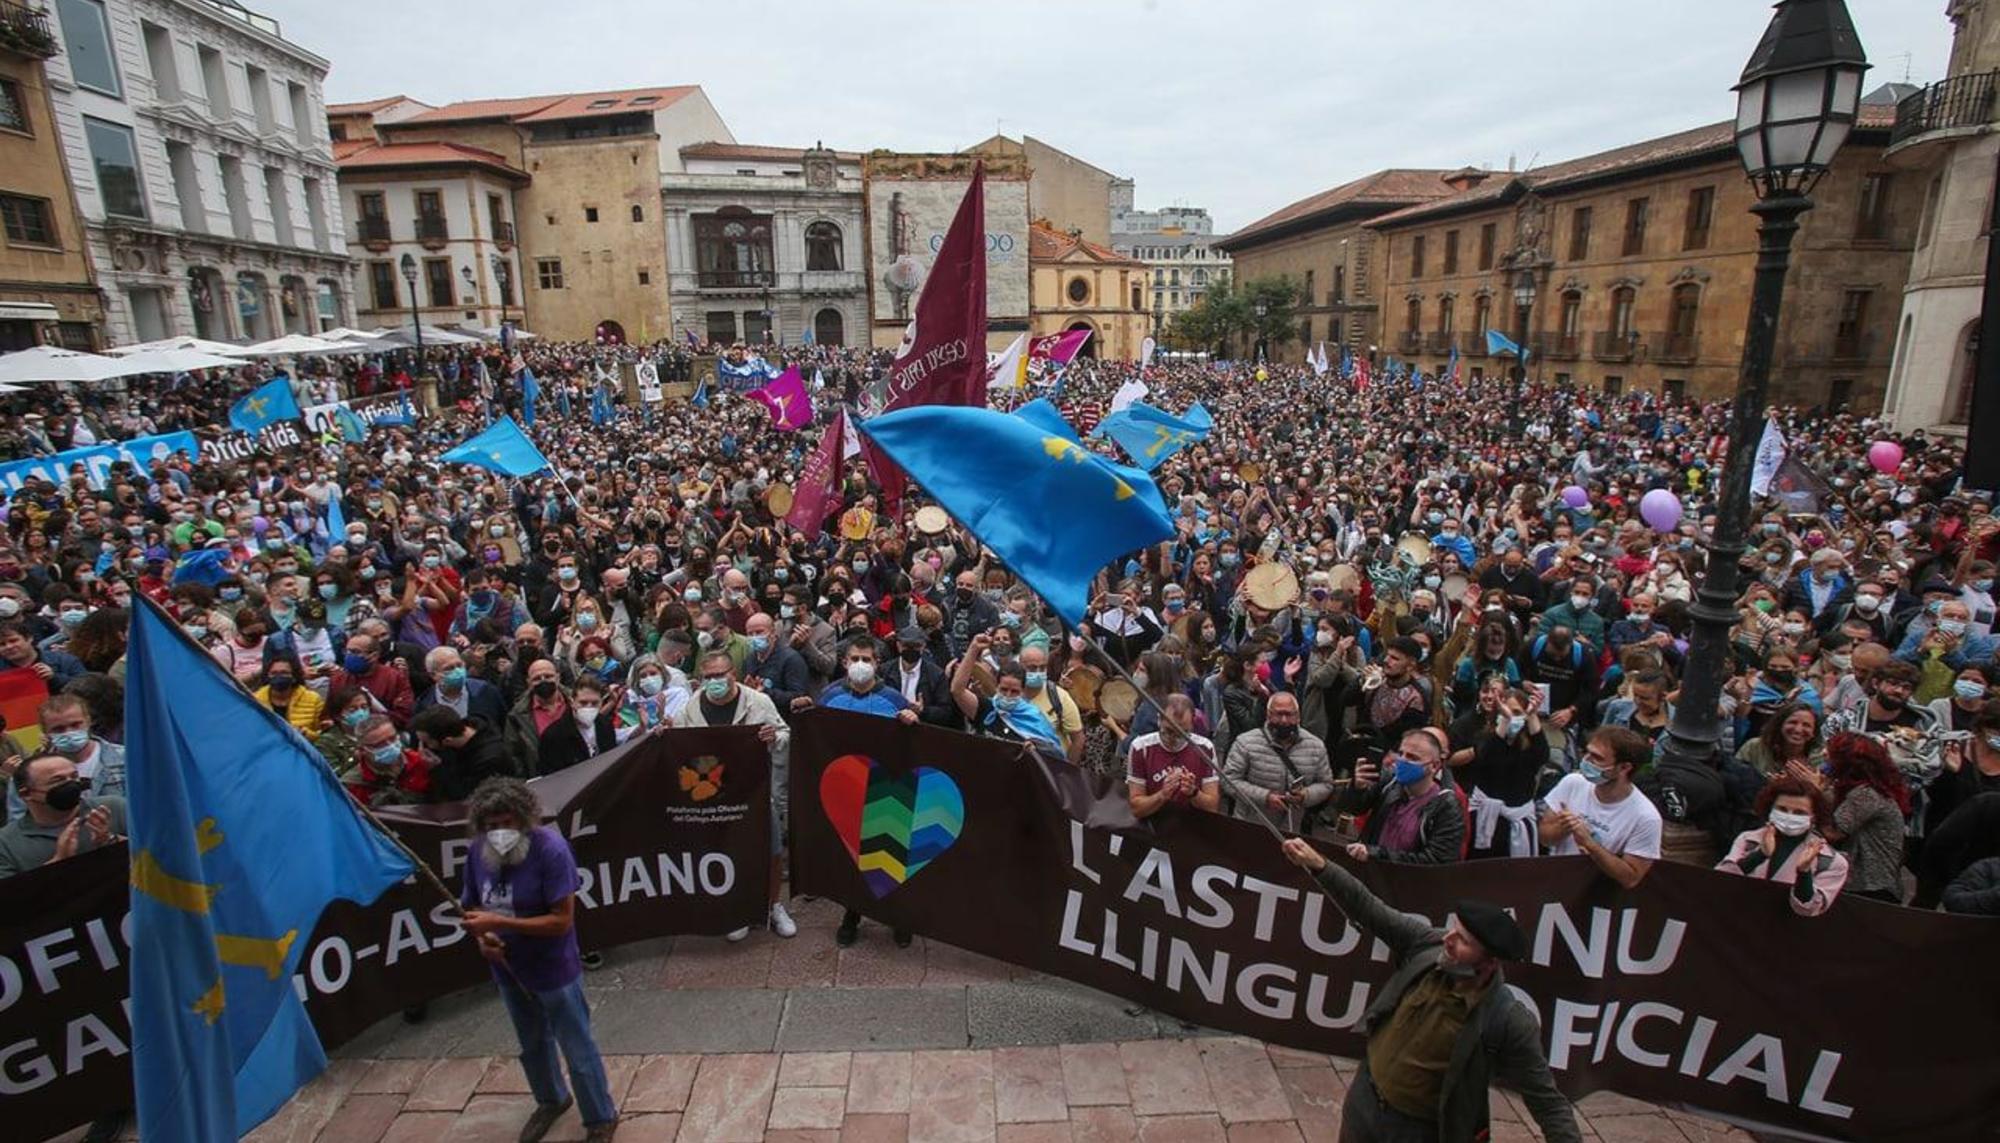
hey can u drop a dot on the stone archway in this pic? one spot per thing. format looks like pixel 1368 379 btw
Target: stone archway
pixel 1089 347
pixel 609 332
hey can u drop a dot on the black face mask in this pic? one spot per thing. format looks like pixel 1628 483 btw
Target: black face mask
pixel 545 689
pixel 1284 733
pixel 66 796
pixel 912 654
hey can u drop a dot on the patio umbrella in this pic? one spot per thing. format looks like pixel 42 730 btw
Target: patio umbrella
pixel 198 343
pixel 172 361
pixel 53 363
pixel 296 344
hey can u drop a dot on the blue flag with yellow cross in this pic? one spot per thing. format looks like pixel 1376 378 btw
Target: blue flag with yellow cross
pixel 241 836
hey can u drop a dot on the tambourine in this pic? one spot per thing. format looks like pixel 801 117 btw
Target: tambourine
pixel 1272 586
pixel 778 498
pixel 1118 699
pixel 983 682
pixel 1083 682
pixel 856 523
pixel 932 520
pixel 1343 577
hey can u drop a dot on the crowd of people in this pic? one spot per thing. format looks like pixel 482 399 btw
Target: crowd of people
pixel 1458 662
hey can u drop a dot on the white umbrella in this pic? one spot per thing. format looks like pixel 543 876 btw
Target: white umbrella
pixel 197 343
pixel 173 361
pixel 293 345
pixel 434 335
pixel 348 333
pixel 52 363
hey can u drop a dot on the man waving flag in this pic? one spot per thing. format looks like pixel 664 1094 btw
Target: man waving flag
pixel 241 836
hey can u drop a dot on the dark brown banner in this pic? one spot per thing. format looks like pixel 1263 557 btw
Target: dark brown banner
pixel 671 835
pixel 1697 989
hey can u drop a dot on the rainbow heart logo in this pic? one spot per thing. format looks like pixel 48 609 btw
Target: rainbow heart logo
pixel 893 824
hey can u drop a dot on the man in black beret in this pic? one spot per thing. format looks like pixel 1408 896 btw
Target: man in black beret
pixel 1443 1026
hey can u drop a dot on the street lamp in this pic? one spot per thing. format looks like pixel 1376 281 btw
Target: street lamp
pixel 1524 308
pixel 409 265
pixel 1261 310
pixel 503 273
pixel 1796 103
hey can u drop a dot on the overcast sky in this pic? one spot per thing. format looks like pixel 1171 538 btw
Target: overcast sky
pixel 1238 105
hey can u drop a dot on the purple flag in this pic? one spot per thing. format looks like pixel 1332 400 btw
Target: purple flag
pixel 791 406
pixel 818 490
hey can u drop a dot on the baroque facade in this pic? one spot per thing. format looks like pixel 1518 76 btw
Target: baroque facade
pixel 47 292
pixel 196 141
pixel 1079 284
pixel 1945 144
pixel 765 243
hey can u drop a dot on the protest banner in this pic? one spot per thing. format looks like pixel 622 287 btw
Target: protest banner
pixel 97 460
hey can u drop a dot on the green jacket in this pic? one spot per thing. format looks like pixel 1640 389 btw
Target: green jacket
pixel 1500 1039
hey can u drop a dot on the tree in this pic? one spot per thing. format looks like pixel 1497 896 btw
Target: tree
pixel 1227 315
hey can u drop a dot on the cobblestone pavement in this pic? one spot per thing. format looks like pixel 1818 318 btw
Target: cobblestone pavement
pixel 708 1042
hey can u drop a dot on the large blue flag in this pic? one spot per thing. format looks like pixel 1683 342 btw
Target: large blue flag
pixel 241 836
pixel 998 474
pixel 531 391
pixel 267 404
pixel 1043 414
pixel 501 448
pixel 1149 435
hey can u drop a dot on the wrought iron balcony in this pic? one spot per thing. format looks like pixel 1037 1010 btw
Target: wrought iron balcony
pixel 736 279
pixel 26 30
pixel 374 231
pixel 1437 341
pixel 1963 101
pixel 1410 341
pixel 432 229
pixel 503 234
pixel 1610 345
pixel 1675 348
pixel 1565 346
pixel 1472 343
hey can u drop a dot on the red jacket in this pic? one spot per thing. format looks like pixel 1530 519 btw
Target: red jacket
pixel 389 686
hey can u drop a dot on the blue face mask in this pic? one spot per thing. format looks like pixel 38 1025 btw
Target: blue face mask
pixel 1036 680
pixel 1971 690
pixel 716 690
pixel 1007 703
pixel 1593 773
pixel 1231 559
pixel 70 741
pixel 1009 619
pixel 1409 772
pixel 328 590
pixel 453 677
pixel 230 594
pixel 388 757
pixel 760 643
pixel 356 664
pixel 354 718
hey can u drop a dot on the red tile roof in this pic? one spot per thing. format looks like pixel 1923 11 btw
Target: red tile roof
pixel 750 152
pixel 364 156
pixel 1047 244
pixel 365 107
pixel 471 109
pixel 587 104
pixel 1397 186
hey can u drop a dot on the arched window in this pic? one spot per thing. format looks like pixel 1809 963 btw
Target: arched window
pixel 829 328
pixel 823 249
pixel 1447 310
pixel 1622 300
pixel 1965 376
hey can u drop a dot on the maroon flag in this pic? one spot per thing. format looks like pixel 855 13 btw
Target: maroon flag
pixel 818 490
pixel 943 357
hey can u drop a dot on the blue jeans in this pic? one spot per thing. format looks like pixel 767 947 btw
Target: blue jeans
pixel 546 1021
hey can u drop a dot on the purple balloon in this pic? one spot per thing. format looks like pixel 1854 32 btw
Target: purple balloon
pixel 1576 497
pixel 1885 456
pixel 1661 510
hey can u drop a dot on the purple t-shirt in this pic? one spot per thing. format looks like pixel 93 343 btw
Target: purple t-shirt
pixel 529 889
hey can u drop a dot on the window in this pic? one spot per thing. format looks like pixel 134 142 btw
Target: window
pixel 276 193
pixel 1614 386
pixel 1700 213
pixel 1413 316
pixel 822 246
pixel 1579 234
pixel 1335 330
pixel 301 112
pixel 1674 388
pixel 160 61
pixel 757 326
pixel 214 81
pixel 1683 318
pixel 13 113
pixel 316 214
pixel 1417 256
pixel 1569 318
pixel 494 216
pixel 1174 298
pixel 638 213
pixel 430 215
pixel 1482 316
pixel 645 277
pixel 187 186
pixel 1839 392
pixel 1450 252
pixel 259 82
pixel 549 276
pixel 28 221
pixel 1306 333
pixel 722 326
pixel 1635 226
pixel 382 284
pixel 229 170
pixel 437 282
pixel 1849 336
pixel 590 214
pixel 1622 300
pixel 1931 196
pixel 1488 236
pixel 1308 298
pixel 1079 290
pixel 829 328
pixel 1339 285
pixel 506 283
pixel 116 161
pixel 87 35
pixel 1873 222
pixel 1447 311
pixel 733 249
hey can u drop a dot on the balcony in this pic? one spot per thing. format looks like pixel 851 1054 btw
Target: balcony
pixel 1437 341
pixel 433 231
pixel 1674 348
pixel 374 233
pixel 736 279
pixel 1472 343
pixel 1611 345
pixel 503 235
pixel 26 30
pixel 1409 342
pixel 1959 104
pixel 1564 347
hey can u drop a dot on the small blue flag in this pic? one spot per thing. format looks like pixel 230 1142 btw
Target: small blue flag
pixel 700 400
pixel 205 566
pixel 1451 369
pixel 997 473
pixel 600 406
pixel 352 428
pixel 240 837
pixel 1149 435
pixel 562 401
pixel 694 343
pixel 531 391
pixel 1498 343
pixel 267 404
pixel 336 519
pixel 502 448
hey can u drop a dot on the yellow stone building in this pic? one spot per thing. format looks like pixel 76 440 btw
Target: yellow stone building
pixel 47 292
pixel 1078 284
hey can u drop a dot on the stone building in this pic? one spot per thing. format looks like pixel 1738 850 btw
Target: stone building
pixel 47 292
pixel 908 202
pixel 766 242
pixel 1078 284
pixel 1177 245
pixel 195 138
pixel 1067 191
pixel 1321 245
pixel 590 228
pixel 1945 151
pixel 1631 269
pixel 450 209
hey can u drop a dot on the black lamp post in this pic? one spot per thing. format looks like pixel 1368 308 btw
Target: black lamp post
pixel 1261 309
pixel 409 265
pixel 503 272
pixel 1524 309
pixel 1796 103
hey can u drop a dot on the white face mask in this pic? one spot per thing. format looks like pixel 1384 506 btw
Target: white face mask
pixel 503 840
pixel 860 672
pixel 1790 824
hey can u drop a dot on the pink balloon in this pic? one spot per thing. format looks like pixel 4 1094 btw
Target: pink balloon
pixel 1886 456
pixel 1576 497
pixel 1661 510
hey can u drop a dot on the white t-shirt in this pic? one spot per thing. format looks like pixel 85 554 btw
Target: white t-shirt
pixel 1628 827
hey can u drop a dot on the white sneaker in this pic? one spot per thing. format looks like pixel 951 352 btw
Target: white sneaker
pixel 782 923
pixel 738 934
